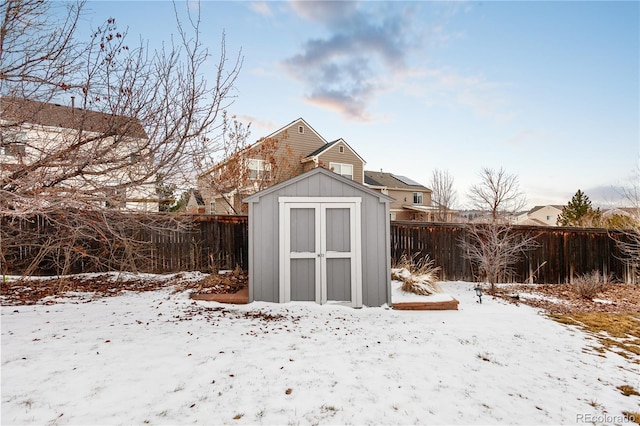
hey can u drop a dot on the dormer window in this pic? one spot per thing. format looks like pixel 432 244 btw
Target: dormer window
pixel 301 130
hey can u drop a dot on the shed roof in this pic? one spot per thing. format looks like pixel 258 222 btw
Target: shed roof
pixel 254 198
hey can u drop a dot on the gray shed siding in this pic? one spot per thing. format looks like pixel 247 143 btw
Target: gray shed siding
pixel 264 235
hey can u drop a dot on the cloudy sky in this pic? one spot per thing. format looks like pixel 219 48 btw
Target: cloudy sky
pixel 548 90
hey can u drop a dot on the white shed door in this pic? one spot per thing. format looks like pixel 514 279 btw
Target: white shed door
pixel 320 251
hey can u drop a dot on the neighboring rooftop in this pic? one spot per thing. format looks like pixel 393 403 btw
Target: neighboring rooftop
pixel 22 111
pixel 390 180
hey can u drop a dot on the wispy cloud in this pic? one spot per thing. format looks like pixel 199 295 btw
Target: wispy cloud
pixel 447 87
pixel 365 47
pixel 261 8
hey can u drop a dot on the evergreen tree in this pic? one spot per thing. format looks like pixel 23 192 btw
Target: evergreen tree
pixel 578 212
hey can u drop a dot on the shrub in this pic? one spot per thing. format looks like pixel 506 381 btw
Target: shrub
pixel 589 285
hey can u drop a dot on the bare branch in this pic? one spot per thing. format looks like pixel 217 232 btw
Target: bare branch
pixel 443 193
pixel 498 192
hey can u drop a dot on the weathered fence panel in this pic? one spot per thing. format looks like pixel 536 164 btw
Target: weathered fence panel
pixel 206 243
pixel 185 243
pixel 562 253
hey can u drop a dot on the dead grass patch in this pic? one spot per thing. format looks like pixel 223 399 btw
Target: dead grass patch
pixel 633 416
pixel 628 390
pixel 616 332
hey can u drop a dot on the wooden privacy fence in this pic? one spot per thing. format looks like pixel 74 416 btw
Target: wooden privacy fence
pixel 212 243
pixel 181 243
pixel 208 243
pixel 562 252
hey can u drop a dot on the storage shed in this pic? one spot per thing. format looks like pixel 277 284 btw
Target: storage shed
pixel 320 237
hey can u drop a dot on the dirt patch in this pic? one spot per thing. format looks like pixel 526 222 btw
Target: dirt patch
pixel 564 299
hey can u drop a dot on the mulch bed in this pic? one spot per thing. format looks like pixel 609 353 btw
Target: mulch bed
pixel 30 292
pixel 564 299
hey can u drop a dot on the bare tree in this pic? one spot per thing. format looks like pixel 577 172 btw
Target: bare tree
pixel 498 191
pixel 443 193
pixel 494 249
pixel 628 236
pixel 247 168
pixel 135 115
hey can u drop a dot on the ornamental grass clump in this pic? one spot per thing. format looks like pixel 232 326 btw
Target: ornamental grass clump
pixel 418 277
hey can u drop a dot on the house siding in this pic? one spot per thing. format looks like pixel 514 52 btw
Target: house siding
pixel 333 155
pixel 400 195
pixel 291 147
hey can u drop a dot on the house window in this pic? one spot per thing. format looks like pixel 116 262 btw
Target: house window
pixel 212 207
pixel 345 170
pixel 12 143
pixel 258 169
pixel 549 218
pixel 341 149
pixel 301 130
pixel 417 198
pixel 14 150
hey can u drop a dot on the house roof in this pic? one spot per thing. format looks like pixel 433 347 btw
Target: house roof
pixel 298 120
pixel 391 181
pixel 322 149
pixel 318 170
pixel 25 111
pixel 264 138
pixel 536 208
pixel 197 196
pixel 318 152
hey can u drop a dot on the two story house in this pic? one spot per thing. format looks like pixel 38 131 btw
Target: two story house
pixel 412 199
pixel 49 150
pixel 285 153
pixel 540 216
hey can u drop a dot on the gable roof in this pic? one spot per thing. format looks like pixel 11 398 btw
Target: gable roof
pixel 318 152
pixel 536 208
pixel 391 181
pixel 296 121
pixel 197 197
pixel 254 198
pixel 262 139
pixel 26 111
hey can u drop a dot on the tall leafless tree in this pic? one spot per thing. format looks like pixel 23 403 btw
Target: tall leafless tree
pixel 628 237
pixel 498 192
pixel 494 249
pixel 68 180
pixel 443 193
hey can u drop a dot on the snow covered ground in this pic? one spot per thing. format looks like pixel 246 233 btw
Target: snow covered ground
pixel 158 357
